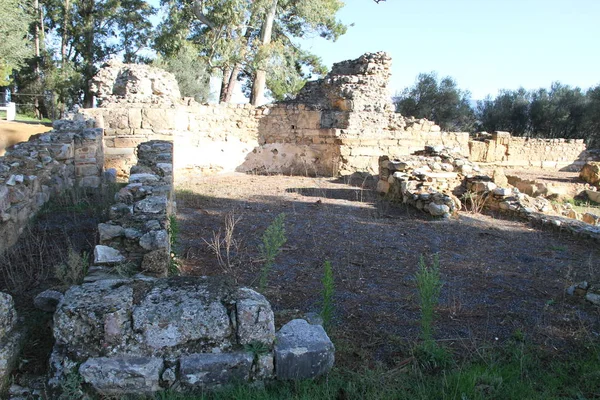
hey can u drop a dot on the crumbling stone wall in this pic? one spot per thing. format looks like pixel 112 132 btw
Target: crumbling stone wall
pixel 49 163
pixel 337 125
pixel 137 236
pixel 342 124
pixel 500 148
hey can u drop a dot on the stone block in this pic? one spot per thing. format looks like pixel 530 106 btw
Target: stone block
pixel 117 376
pixel 48 300
pixel 302 351
pixel 8 314
pixel 255 320
pixel 200 371
pixel 106 255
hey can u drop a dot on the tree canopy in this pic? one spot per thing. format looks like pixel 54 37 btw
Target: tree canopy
pixel 15 42
pixel 438 100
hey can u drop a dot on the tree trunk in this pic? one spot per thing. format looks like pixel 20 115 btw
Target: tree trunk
pixel 36 99
pixel 260 79
pixel 224 84
pixel 238 67
pixel 88 99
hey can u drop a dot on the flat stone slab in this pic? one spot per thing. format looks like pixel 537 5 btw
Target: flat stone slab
pixel 302 351
pixel 201 370
pixel 122 375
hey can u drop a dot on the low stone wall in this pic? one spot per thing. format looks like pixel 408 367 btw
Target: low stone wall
pixel 500 148
pixel 137 236
pixel 49 163
pixel 431 180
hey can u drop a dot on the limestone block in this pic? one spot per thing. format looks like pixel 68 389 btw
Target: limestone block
pixel 122 375
pixel 590 218
pixel 109 231
pixel 10 349
pixel 83 319
pixel 255 320
pixel 152 205
pixel 302 351
pixel 105 255
pixel 200 371
pixel 155 240
pixel 180 311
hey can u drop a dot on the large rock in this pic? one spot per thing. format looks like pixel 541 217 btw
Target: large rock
pixel 302 351
pixel 591 172
pixel 123 375
pixel 48 300
pixel 180 311
pixel 10 339
pixel 200 371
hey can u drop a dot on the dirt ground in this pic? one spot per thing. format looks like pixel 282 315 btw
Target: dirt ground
pixel 15 132
pixel 501 277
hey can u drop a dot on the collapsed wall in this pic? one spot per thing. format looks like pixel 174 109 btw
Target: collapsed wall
pixel 49 163
pixel 342 123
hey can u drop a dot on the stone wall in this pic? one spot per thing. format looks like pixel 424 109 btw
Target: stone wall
pixel 137 236
pixel 49 163
pixel 500 148
pixel 337 125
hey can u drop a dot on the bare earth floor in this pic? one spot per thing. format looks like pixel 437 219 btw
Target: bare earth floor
pixel 501 277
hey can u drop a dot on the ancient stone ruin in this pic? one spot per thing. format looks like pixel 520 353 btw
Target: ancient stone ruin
pixel 130 328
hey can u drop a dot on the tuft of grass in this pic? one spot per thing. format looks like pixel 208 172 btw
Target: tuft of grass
pixel 272 241
pixel 74 269
pixel 224 245
pixel 327 307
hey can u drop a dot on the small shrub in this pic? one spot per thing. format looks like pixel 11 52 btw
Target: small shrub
pixel 224 245
pixel 327 307
pixel 125 269
pixel 70 387
pixel 429 353
pixel 272 241
pixel 74 269
pixel 474 202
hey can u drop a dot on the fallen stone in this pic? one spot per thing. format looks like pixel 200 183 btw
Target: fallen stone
pixel 107 255
pixel 590 172
pixel 122 375
pixel 438 210
pixel 302 351
pixel 200 371
pixel 48 300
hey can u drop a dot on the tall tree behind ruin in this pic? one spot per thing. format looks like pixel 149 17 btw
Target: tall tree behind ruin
pixel 16 45
pixel 92 31
pixel 228 36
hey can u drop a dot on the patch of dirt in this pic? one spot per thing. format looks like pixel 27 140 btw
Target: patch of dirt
pixel 501 277
pixel 12 132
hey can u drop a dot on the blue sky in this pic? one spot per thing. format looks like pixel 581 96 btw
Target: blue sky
pixel 485 45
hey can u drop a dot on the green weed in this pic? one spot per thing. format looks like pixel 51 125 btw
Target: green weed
pixel 327 307
pixel 74 269
pixel 174 263
pixel 272 241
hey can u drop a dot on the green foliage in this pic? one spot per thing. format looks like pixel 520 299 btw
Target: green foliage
pixel 327 307
pixel 74 269
pixel 437 100
pixel 70 387
pixel 16 45
pixel 272 241
pixel 189 69
pixel 429 285
pixel 174 240
pixel 257 349
pixel 509 372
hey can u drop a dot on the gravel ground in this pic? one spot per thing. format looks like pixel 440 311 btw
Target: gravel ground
pixel 501 277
